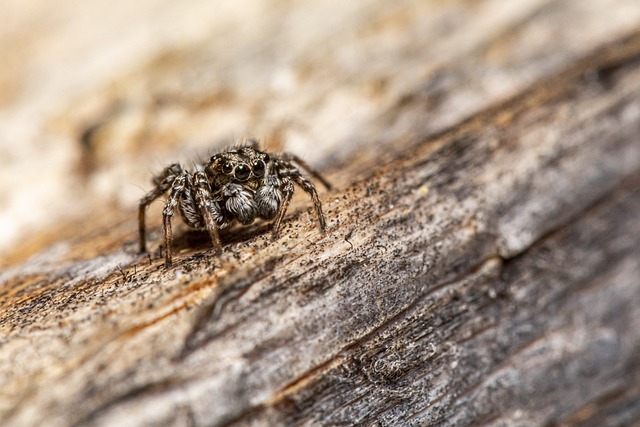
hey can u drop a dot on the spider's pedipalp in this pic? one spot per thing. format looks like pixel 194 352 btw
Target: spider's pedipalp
pixel 269 197
pixel 239 201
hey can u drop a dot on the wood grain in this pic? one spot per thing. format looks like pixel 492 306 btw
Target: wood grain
pixel 481 264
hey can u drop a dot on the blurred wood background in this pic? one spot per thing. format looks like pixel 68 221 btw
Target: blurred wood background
pixel 482 261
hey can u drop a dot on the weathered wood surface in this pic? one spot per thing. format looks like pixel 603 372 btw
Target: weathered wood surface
pixel 482 264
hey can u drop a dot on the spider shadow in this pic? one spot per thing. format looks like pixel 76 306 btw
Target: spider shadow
pixel 199 240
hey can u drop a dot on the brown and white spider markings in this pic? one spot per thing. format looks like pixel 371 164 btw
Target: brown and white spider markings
pixel 242 183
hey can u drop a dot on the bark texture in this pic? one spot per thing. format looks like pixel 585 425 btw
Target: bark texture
pixel 482 263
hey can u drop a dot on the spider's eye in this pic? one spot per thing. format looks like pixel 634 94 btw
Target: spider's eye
pixel 258 168
pixel 227 168
pixel 266 158
pixel 242 172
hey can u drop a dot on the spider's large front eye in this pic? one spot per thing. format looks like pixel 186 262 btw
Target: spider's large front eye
pixel 258 168
pixel 227 168
pixel 242 172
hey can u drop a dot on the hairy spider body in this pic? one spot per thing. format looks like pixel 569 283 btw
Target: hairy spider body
pixel 239 184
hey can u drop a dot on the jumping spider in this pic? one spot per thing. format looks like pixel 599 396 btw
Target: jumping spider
pixel 241 183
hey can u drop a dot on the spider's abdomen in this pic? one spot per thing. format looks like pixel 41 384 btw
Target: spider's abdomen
pixel 238 201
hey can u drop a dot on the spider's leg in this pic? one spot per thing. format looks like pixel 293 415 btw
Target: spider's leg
pixel 287 193
pixel 144 202
pixel 304 183
pixel 288 158
pixel 177 188
pixel 205 205
pixel 163 182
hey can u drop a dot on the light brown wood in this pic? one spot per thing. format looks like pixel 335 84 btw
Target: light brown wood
pixel 481 261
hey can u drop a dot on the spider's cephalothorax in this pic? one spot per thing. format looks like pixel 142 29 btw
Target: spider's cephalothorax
pixel 241 183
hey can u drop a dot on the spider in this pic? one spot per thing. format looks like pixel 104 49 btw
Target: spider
pixel 242 183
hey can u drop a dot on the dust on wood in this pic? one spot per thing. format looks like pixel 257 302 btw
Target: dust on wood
pixel 483 270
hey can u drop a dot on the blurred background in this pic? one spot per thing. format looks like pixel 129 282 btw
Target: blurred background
pixel 95 96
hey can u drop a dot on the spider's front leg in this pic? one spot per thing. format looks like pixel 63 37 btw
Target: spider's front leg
pixel 290 174
pixel 288 158
pixel 162 182
pixel 304 183
pixel 177 188
pixel 287 194
pixel 207 208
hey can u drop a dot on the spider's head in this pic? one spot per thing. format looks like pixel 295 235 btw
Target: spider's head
pixel 240 164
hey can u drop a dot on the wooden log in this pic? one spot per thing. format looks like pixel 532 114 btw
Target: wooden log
pixel 480 268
